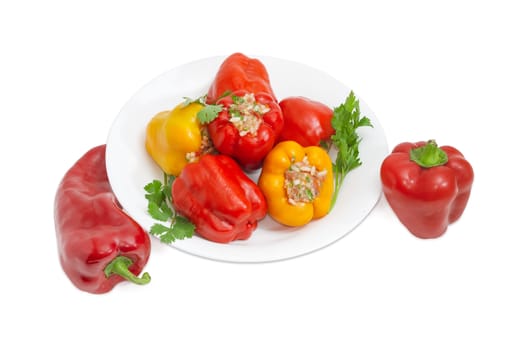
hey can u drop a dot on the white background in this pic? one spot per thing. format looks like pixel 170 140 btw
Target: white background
pixel 435 69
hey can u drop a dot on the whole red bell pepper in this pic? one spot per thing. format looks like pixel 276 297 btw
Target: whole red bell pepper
pixel 99 244
pixel 306 121
pixel 240 72
pixel 427 186
pixel 221 201
pixel 247 127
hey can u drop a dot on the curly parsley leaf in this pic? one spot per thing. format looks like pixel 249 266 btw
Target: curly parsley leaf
pixel 159 207
pixel 346 120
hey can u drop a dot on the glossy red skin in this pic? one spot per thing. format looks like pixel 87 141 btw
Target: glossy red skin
pixel 91 227
pixel 306 121
pixel 221 201
pixel 240 72
pixel 248 150
pixel 426 200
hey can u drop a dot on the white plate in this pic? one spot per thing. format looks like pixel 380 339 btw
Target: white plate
pixel 130 167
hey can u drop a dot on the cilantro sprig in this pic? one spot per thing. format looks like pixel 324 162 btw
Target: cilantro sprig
pixel 346 120
pixel 159 207
pixel 210 111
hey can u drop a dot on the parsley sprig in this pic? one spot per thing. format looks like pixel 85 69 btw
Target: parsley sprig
pixel 346 120
pixel 159 207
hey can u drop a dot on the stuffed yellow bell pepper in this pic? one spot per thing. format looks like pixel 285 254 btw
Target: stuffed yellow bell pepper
pixel 175 138
pixel 297 183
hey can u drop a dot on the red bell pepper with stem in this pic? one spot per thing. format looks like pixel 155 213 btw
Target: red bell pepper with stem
pixel 239 72
pixel 305 121
pixel 246 128
pixel 427 186
pixel 221 201
pixel 99 244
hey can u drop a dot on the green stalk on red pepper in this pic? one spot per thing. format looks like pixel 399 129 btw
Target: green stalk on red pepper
pixel 427 186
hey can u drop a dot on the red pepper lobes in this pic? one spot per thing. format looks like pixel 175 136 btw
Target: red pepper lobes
pixel 427 186
pixel 221 201
pixel 305 121
pixel 239 72
pixel 247 127
pixel 99 244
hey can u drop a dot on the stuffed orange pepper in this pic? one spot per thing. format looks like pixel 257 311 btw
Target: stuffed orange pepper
pixel 297 183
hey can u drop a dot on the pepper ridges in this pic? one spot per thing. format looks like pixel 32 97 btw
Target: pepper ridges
pixel 427 186
pixel 221 201
pixel 99 245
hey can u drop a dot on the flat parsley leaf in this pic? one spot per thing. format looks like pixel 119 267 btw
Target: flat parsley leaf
pixel 209 113
pixel 346 120
pixel 159 200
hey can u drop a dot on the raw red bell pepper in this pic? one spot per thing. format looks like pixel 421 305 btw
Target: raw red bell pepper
pixel 99 244
pixel 427 186
pixel 247 127
pixel 239 72
pixel 221 201
pixel 306 121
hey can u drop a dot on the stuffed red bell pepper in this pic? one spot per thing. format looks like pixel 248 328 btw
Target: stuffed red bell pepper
pixel 221 201
pixel 239 72
pixel 427 186
pixel 247 127
pixel 99 244
pixel 306 121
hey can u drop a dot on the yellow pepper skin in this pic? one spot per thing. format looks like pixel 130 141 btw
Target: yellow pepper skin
pixel 272 183
pixel 171 135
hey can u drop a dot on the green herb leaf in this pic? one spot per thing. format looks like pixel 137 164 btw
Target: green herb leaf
pixel 158 229
pixel 189 100
pixel 346 120
pixel 182 228
pixel 159 200
pixel 154 193
pixel 237 99
pixel 209 113
pixel 225 94
pixel 159 212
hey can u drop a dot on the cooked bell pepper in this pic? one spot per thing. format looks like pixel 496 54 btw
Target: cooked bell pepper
pixel 175 138
pixel 306 121
pixel 297 183
pixel 239 72
pixel 99 245
pixel 427 186
pixel 221 201
pixel 247 127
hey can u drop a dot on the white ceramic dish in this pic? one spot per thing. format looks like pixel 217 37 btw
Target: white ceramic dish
pixel 130 168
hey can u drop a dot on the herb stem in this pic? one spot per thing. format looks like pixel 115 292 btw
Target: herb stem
pixel 346 120
pixel 339 179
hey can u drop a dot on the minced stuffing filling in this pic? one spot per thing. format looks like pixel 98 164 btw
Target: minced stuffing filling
pixel 206 146
pixel 303 182
pixel 246 114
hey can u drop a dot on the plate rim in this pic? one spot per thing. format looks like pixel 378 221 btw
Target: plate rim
pixel 216 60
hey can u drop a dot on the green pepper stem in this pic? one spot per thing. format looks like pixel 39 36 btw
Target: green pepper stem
pixel 120 266
pixel 429 155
